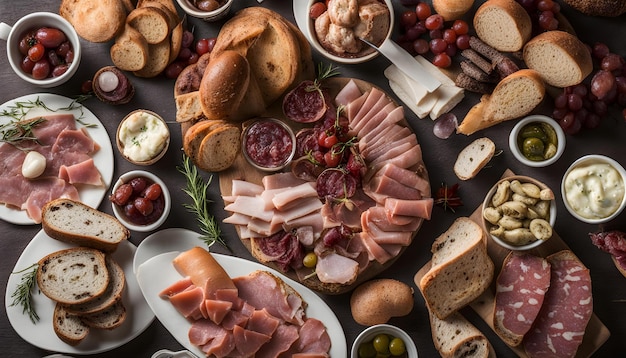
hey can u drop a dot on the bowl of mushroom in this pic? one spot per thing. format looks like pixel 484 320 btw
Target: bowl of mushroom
pixel 519 212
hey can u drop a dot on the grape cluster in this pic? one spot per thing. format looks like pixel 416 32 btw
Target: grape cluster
pixel 189 53
pixel 423 31
pixel 542 13
pixel 584 105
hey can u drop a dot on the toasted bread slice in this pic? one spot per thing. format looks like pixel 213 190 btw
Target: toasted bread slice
pixel 219 148
pixel 158 57
pixel 130 51
pixel 196 133
pixel 151 22
pixel 110 318
pixel 188 107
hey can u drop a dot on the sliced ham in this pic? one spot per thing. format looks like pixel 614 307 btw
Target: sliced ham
pixel 48 131
pixel 216 310
pixel 347 94
pixel 251 206
pixel 283 199
pixel 263 322
pixel 284 337
pixel 42 191
pixel 352 108
pixel 314 338
pixel 313 220
pixel 375 251
pixel 84 172
pixel 373 96
pixel 382 237
pixel 388 187
pixel 373 152
pixel 212 339
pixel 74 140
pixel 381 135
pixel 188 302
pixel 280 180
pixel 406 177
pixel 388 115
pixel 335 268
pixel 375 117
pixel 405 160
pixel 176 287
pixel 237 219
pixel 246 188
pixel 378 216
pixel 416 208
pixel 248 342
pixel 297 209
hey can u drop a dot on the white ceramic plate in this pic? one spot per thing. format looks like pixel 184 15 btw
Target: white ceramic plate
pixel 103 158
pixel 302 16
pixel 139 315
pixel 156 273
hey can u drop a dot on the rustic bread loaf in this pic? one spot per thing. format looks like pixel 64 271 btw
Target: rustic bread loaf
pixel 456 337
pixel 460 268
pixel 110 318
pixel 94 20
pixel 608 8
pixel 503 24
pixel 130 51
pixel 67 326
pixel 151 22
pixel 515 96
pixel 73 276
pixel 559 57
pixel 473 158
pixel 74 222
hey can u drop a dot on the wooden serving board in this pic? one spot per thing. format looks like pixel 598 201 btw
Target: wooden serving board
pixel 595 334
pixel 242 170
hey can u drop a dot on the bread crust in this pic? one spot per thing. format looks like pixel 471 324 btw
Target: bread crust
pixel 95 20
pixel 514 37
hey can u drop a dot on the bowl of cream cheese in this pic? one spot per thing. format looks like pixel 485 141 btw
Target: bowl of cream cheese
pixel 593 189
pixel 142 137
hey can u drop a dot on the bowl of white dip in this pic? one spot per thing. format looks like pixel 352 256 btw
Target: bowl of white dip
pixel 143 137
pixel 593 189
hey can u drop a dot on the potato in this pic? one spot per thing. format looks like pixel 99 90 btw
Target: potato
pixel 376 301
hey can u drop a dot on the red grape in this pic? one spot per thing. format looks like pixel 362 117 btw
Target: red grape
pixel 442 60
pixel 41 69
pixel 421 46
pixel 408 19
pixel 434 22
pixel 423 11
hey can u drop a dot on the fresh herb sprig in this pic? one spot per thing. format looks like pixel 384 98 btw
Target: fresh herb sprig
pixel 24 291
pixel 16 132
pixel 197 190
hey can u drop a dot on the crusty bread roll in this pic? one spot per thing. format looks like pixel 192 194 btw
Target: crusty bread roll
pixel 608 8
pixel 95 20
pixel 503 24
pixel 559 57
pixel 515 96
pixel 452 9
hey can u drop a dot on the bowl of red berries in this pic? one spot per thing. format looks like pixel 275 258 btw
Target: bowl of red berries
pixel 43 48
pixel 140 200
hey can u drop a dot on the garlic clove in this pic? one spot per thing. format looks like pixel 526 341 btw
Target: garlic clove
pixel 34 165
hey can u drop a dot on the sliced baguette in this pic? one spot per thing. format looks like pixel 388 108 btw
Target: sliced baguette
pixel 515 96
pixel 158 57
pixel 473 158
pixel 151 22
pixel 460 268
pixel 113 293
pixel 74 222
pixel 560 58
pixel 219 148
pixel 456 337
pixel 503 24
pixel 73 276
pixel 68 327
pixel 130 50
pixel 110 318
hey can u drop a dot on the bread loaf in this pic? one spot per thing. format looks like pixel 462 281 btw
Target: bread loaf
pixel 515 96
pixel 74 222
pixel 473 158
pixel 67 326
pixel 456 337
pixel 503 24
pixel 452 9
pixel 608 8
pixel 73 276
pixel 460 268
pixel 560 58
pixel 94 20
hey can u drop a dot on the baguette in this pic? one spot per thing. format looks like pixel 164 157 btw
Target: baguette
pixel 74 222
pixel 503 24
pixel 456 337
pixel 68 327
pixel 473 158
pixel 460 268
pixel 73 276
pixel 130 51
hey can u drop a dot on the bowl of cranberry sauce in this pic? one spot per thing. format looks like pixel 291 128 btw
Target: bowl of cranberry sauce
pixel 140 200
pixel 268 144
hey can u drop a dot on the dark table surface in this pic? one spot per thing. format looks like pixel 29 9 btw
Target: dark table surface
pixel 609 287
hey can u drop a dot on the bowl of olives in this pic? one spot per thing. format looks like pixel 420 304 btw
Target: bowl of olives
pixel 537 141
pixel 140 200
pixel 383 340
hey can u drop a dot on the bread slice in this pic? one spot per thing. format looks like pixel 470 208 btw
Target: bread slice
pixel 460 268
pixel 515 96
pixel 456 337
pixel 188 106
pixel 130 50
pixel 560 58
pixel 95 20
pixel 158 57
pixel 113 293
pixel 219 148
pixel 74 222
pixel 73 276
pixel 473 158
pixel 110 318
pixel 151 22
pixel 503 24
pixel 67 326
pixel 196 133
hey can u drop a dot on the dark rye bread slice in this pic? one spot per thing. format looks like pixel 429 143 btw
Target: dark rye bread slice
pixel 68 327
pixel 73 276
pixel 74 222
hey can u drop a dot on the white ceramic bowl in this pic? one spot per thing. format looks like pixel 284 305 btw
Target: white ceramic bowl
pixel 217 14
pixel 310 28
pixel 13 35
pixel 584 161
pixel 121 146
pixel 119 211
pixel 487 203
pixel 514 144
pixel 371 332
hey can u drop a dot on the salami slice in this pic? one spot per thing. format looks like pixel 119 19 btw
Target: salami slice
pixel 520 290
pixel 566 310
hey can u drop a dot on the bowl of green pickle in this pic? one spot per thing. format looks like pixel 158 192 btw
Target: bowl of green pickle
pixel 383 340
pixel 537 141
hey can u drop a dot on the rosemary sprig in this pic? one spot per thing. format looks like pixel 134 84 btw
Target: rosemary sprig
pixel 324 72
pixel 23 292
pixel 197 189
pixel 20 109
pixel 15 132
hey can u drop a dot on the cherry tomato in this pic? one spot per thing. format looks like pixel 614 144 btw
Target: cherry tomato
pixel 36 52
pixel 327 139
pixel 332 158
pixel 317 10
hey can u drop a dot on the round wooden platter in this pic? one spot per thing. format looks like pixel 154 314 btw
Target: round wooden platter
pixel 242 170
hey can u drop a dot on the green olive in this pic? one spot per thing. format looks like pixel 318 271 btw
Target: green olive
pixel 532 147
pixel 397 347
pixel 367 350
pixel 381 343
pixel 534 130
pixel 309 260
pixel 550 133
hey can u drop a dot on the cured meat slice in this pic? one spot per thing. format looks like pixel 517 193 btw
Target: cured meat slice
pixel 348 94
pixel 567 307
pixel 416 208
pixel 335 268
pixel 520 290
pixel 84 172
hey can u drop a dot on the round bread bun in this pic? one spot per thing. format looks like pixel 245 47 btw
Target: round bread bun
pixel 95 20
pixel 452 9
pixel 608 8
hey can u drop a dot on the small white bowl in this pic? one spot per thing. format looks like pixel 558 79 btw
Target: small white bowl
pixel 13 35
pixel 119 211
pixel 371 332
pixel 589 160
pixel 514 144
pixel 121 145
pixel 209 16
pixel 487 203
pixel 310 28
